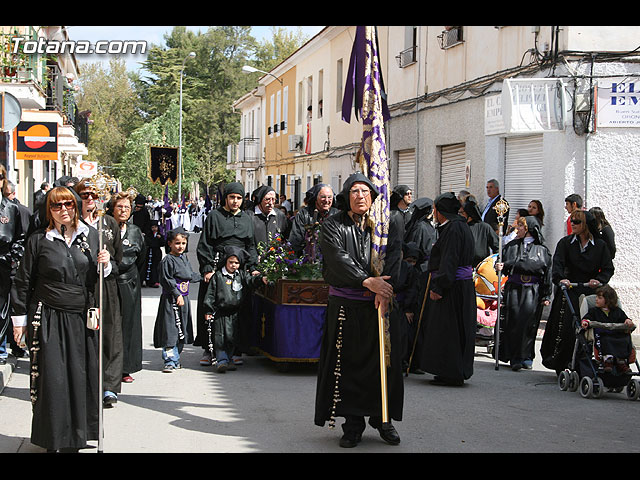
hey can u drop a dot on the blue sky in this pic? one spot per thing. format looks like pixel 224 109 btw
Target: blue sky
pixel 152 34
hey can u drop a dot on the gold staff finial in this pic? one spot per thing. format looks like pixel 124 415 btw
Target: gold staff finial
pixel 103 183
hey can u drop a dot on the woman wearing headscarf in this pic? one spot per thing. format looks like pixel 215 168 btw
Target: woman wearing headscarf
pixel 485 239
pixel 401 198
pixel 349 366
pixel 226 225
pixel 580 257
pixel 54 287
pixel 420 229
pixel 449 319
pixel 604 229
pixel 527 263
pixel 268 222
pixel 134 256
pixel 319 206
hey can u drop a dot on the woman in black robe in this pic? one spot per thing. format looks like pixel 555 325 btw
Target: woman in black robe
pixel 54 286
pixel 350 340
pixel 449 319
pixel 580 257
pixel 129 285
pixel 527 263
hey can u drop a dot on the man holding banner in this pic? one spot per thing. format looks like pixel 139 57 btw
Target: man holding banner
pixel 349 367
pixel 361 264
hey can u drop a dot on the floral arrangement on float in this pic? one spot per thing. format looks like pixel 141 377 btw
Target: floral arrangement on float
pixel 277 260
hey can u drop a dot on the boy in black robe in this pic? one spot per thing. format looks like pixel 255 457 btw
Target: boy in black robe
pixel 227 291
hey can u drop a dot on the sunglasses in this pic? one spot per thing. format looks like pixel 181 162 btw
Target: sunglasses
pixel 69 205
pixel 86 195
pixel 576 222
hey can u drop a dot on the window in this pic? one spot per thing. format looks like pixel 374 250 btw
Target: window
pixel 408 56
pixel 301 109
pixel 285 110
pixel 451 37
pixel 272 114
pixel 278 126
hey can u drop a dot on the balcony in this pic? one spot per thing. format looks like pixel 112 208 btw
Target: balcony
pixel 451 37
pixel 407 57
pixel 245 154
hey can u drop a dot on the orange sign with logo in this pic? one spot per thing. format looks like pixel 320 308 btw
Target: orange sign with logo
pixel 36 141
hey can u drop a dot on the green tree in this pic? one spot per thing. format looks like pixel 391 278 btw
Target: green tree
pixel 112 100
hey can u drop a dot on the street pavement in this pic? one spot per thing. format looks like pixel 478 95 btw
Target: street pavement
pixel 261 409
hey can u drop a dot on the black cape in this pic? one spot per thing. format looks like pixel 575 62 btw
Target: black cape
pixel 449 324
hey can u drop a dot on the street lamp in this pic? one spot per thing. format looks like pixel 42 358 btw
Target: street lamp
pixel 191 55
pixel 250 69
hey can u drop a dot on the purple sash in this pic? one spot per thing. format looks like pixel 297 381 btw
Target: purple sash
pixel 352 293
pixel 462 273
pixel 182 286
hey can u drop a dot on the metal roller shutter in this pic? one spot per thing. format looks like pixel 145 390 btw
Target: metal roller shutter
pixel 452 171
pixel 522 171
pixel 407 168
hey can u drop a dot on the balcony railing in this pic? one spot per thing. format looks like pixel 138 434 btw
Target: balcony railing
pixel 248 150
pixel 16 66
pixel 407 57
pixel 450 37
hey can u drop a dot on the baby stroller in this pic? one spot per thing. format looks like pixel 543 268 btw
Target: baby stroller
pixel 485 281
pixel 587 374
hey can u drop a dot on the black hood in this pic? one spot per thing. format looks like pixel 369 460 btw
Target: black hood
pixel 343 197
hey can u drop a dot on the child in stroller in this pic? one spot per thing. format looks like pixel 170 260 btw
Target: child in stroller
pixel 612 345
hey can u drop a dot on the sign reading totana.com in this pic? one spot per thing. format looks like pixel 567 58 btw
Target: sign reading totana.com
pixel 618 102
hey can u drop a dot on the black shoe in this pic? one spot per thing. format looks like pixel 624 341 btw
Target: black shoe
pixel 387 432
pixel 350 440
pixel 109 401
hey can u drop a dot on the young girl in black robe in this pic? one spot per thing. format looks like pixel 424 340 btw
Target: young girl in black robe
pixel 227 291
pixel 173 328
pixel 614 349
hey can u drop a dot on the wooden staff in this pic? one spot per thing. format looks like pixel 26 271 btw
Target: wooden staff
pixel 383 369
pixel 415 339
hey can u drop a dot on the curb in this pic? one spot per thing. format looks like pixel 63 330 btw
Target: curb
pixel 6 370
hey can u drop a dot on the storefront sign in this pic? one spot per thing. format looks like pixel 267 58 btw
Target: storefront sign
pixel 618 102
pixel 36 141
pixel 493 122
pixel 533 105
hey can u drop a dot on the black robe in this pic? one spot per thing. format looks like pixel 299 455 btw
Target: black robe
pixel 129 285
pixel 423 233
pixel 268 227
pixel 221 228
pixel 112 315
pixel 485 241
pixel 62 280
pixel 449 324
pixel 154 242
pixel 528 267
pixel 346 264
pixel 571 263
pixel 11 250
pixel 224 303
pixel 176 276
pixel 607 341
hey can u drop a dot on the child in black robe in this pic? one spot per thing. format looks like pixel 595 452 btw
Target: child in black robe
pixel 611 346
pixel 228 288
pixel 173 328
